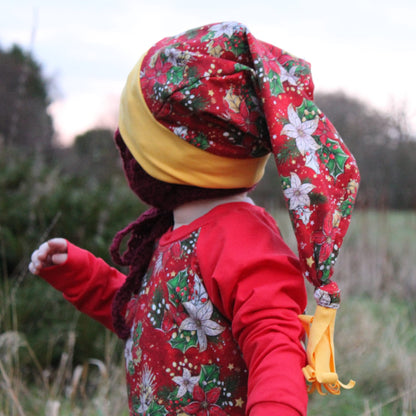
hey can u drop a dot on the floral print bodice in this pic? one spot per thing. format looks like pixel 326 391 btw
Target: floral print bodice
pixel 181 357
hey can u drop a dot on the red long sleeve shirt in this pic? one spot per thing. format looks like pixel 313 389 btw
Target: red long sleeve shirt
pixel 214 327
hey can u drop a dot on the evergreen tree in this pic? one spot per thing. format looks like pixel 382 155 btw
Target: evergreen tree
pixel 24 92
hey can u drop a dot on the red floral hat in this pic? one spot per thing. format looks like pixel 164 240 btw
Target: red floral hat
pixel 208 106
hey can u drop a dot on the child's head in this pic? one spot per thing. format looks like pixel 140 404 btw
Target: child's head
pixel 159 194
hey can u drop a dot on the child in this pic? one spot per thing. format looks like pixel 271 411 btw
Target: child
pixel 210 307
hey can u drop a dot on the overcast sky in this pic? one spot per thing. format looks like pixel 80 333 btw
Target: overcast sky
pixel 365 48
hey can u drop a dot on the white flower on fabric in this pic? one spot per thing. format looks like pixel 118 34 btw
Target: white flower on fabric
pixel 177 57
pixel 199 321
pixel 200 293
pixel 288 76
pixel 301 131
pixel 172 55
pixel 159 263
pixel 298 192
pixel 226 28
pixel 186 383
pixel 181 131
pixel 312 161
pixel 304 214
pixel 128 349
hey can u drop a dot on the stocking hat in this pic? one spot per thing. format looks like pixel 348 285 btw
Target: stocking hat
pixel 208 107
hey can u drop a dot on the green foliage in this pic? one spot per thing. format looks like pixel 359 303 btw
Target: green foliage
pixel 25 97
pixel 44 202
pixel 36 86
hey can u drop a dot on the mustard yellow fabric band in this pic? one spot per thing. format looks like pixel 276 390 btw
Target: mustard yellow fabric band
pixel 167 157
pixel 320 371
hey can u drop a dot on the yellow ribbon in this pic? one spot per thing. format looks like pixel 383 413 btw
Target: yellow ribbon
pixel 320 371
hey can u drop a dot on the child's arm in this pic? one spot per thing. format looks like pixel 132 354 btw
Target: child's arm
pixel 86 281
pixel 253 278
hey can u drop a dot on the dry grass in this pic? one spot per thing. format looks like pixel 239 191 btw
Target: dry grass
pixel 94 388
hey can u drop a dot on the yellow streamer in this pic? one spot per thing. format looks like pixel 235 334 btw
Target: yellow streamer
pixel 320 371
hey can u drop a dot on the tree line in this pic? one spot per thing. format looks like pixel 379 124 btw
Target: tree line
pixel 80 192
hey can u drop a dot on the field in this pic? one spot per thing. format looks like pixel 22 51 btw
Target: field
pixel 375 336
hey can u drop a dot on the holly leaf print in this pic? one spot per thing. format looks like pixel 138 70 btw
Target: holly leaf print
pixel 207 37
pixel 240 67
pixel 209 377
pixel 156 409
pixel 233 101
pixel 175 75
pixel 325 267
pixel 184 340
pixel 347 206
pixel 276 86
pixel 178 288
pixel 333 157
pixel 200 141
pixel 236 46
pixel 307 111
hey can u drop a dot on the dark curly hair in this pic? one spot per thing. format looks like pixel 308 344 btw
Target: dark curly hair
pixel 150 226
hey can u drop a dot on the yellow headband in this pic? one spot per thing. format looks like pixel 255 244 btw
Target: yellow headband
pixel 165 156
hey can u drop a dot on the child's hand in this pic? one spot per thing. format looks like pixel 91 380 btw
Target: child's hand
pixel 50 253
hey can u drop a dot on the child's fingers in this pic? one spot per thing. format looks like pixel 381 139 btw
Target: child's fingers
pixel 37 260
pixel 42 252
pixel 59 258
pixel 33 269
pixel 49 253
pixel 58 245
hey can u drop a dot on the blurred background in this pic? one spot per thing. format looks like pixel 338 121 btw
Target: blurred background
pixel 62 68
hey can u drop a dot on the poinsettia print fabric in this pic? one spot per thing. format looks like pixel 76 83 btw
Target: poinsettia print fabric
pixel 181 357
pixel 226 92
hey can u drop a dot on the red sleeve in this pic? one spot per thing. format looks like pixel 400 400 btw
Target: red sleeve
pixel 87 282
pixel 254 280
